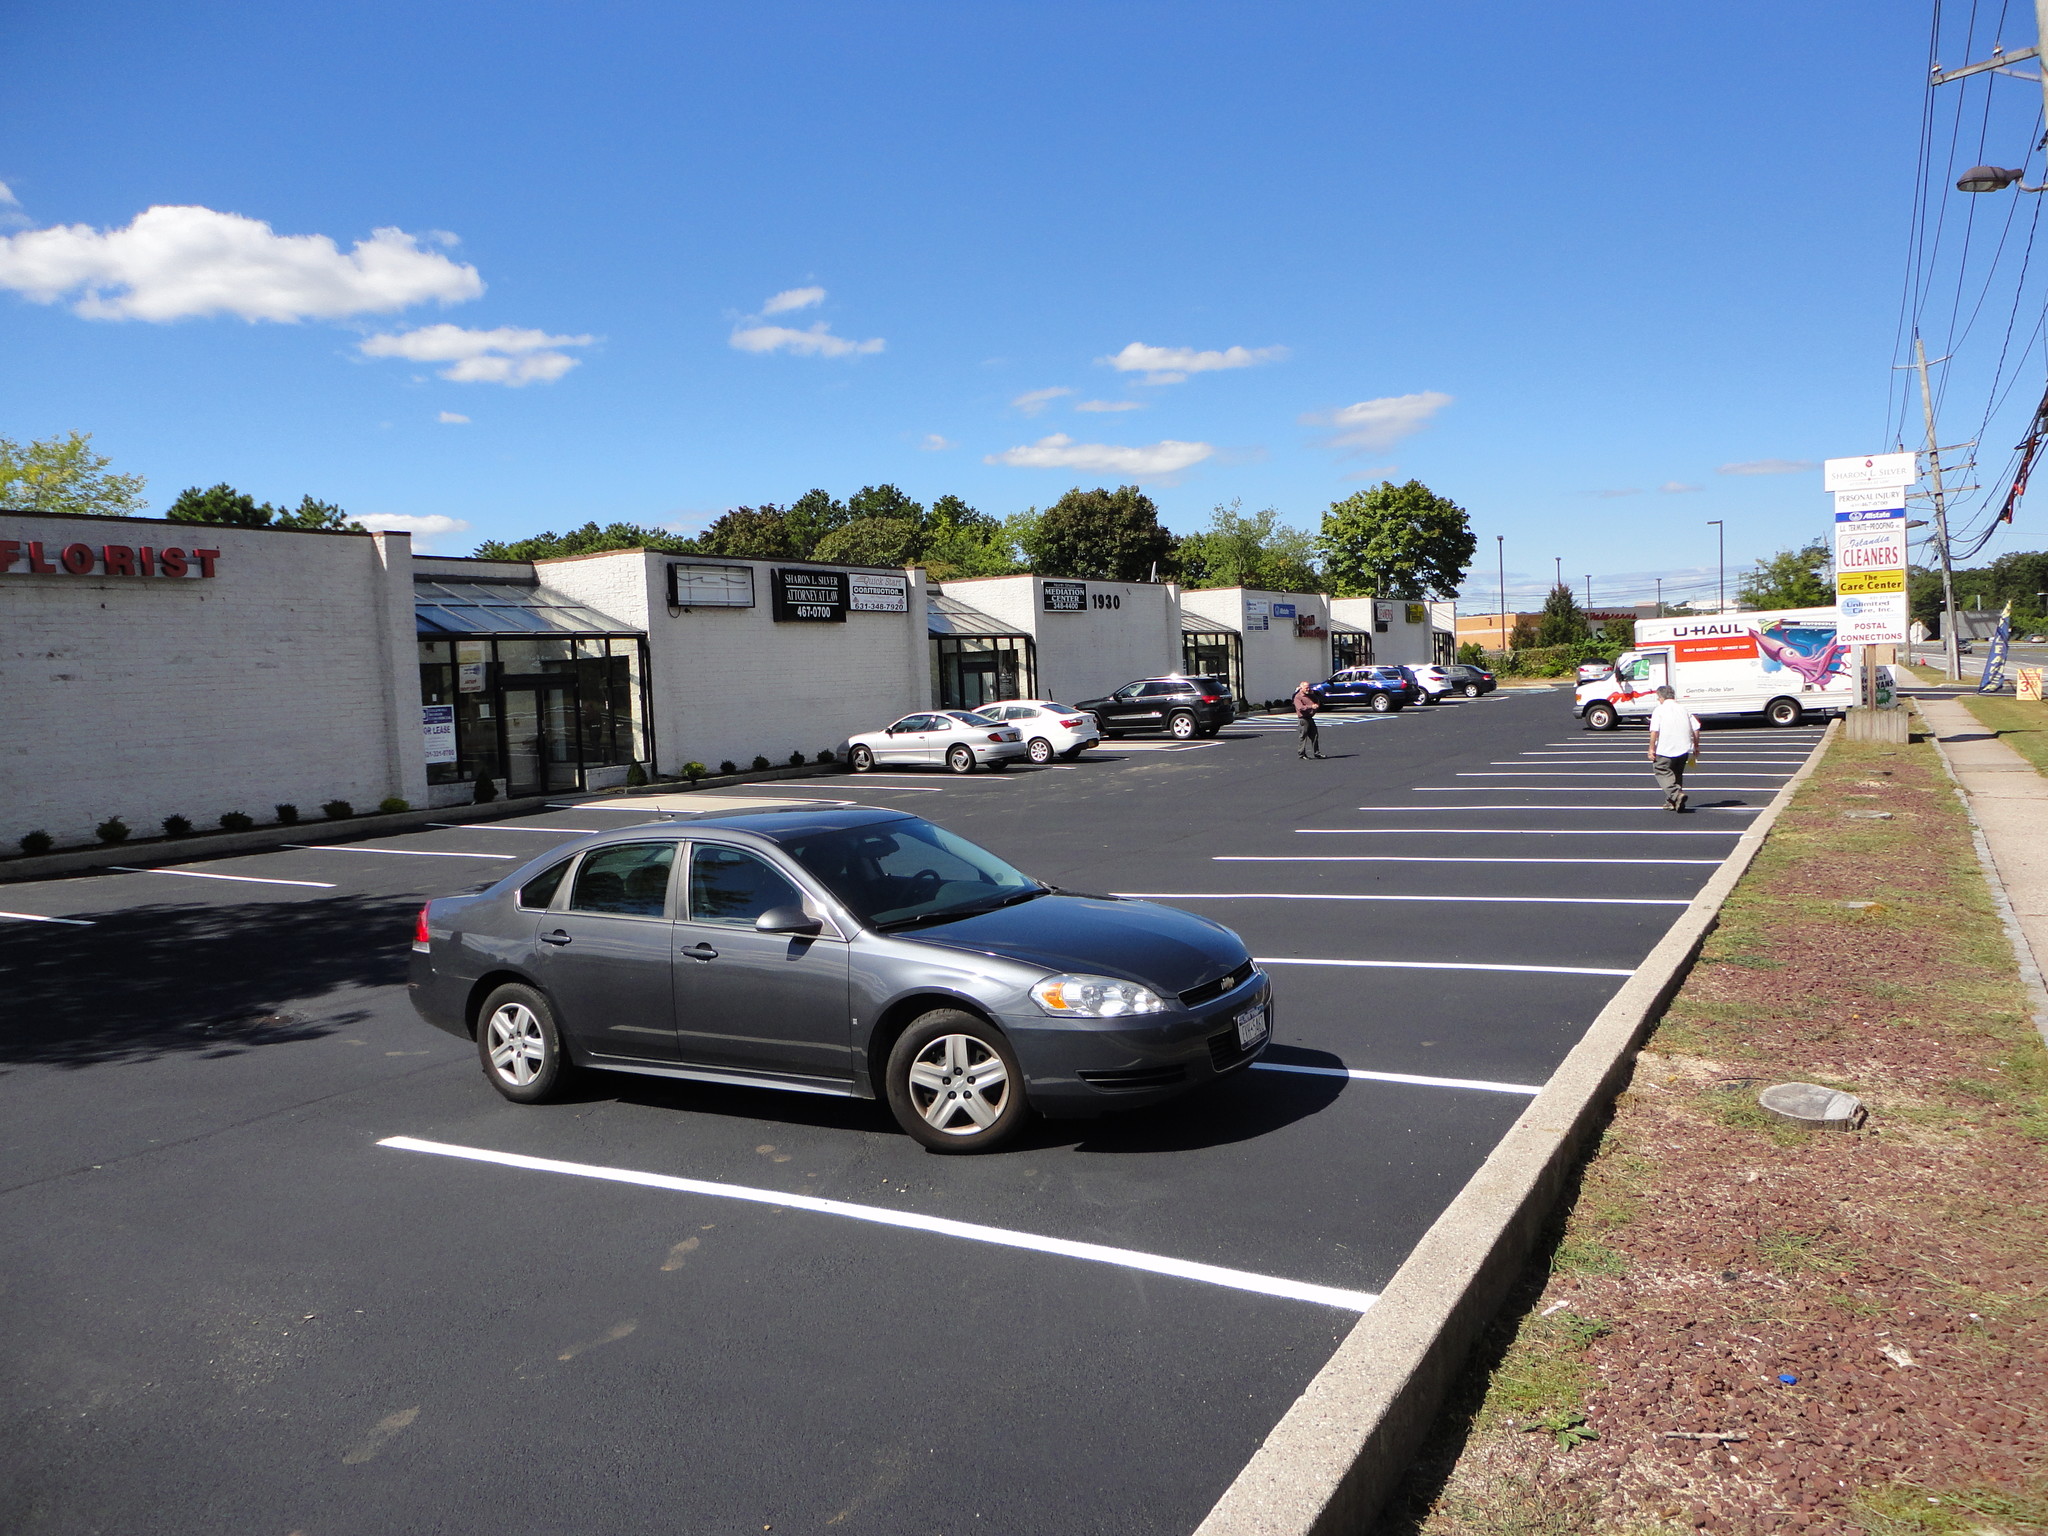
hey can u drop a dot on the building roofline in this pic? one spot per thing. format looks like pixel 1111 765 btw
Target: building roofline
pixel 164 522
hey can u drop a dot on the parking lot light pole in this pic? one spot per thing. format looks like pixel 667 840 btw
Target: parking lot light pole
pixel 1660 595
pixel 1721 564
pixel 1500 555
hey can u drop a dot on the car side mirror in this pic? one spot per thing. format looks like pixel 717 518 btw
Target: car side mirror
pixel 787 920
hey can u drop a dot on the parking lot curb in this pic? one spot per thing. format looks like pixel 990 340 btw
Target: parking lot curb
pixel 215 845
pixel 1339 1452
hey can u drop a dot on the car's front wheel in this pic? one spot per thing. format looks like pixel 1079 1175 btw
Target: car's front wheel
pixel 953 1083
pixel 1601 717
pixel 1182 726
pixel 960 758
pixel 519 1046
pixel 861 760
pixel 1041 750
pixel 1382 702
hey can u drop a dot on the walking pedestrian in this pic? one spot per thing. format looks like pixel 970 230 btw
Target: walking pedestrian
pixel 1674 744
pixel 1305 706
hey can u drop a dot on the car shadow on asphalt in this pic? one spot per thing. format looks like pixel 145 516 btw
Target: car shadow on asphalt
pixel 175 980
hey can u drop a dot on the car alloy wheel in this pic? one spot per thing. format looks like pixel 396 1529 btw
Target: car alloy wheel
pixel 1601 717
pixel 1471 690
pixel 1181 726
pixel 860 760
pixel 1381 703
pixel 960 758
pixel 519 1046
pixel 954 1084
pixel 1041 750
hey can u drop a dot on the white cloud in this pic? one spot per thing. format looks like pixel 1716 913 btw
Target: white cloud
pixel 1061 452
pixel 453 418
pixel 1768 467
pixel 1110 405
pixel 1677 487
pixel 7 197
pixel 1172 365
pixel 506 355
pixel 1376 424
pixel 933 443
pixel 178 263
pixel 818 341
pixel 11 216
pixel 1630 490
pixel 423 529
pixel 793 298
pixel 1038 399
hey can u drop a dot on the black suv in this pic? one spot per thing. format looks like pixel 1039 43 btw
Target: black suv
pixel 1183 707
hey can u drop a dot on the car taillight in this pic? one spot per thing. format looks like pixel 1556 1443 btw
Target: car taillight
pixel 421 939
pixel 995 736
pixel 1211 698
pixel 1072 725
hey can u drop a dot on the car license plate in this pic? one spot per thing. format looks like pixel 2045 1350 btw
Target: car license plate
pixel 1251 1026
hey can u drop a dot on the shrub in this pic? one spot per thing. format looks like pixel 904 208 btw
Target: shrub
pixel 391 805
pixel 112 830
pixel 1472 654
pixel 693 771
pixel 728 766
pixel 287 815
pixel 635 776
pixel 35 842
pixel 760 764
pixel 336 810
pixel 796 759
pixel 235 821
pixel 486 789
pixel 828 756
pixel 177 826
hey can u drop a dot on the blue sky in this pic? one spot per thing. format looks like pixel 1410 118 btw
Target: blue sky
pixel 1564 264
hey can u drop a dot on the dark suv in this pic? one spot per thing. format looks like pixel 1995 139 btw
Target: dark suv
pixel 1378 689
pixel 1183 707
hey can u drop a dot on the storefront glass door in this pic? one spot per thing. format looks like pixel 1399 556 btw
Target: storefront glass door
pixel 541 750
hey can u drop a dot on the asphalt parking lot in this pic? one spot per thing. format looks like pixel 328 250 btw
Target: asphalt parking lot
pixel 279 1261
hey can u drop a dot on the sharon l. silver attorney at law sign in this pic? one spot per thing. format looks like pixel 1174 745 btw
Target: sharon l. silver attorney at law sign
pixel 847 950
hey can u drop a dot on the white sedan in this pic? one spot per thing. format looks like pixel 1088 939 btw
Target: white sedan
pixel 1050 730
pixel 957 739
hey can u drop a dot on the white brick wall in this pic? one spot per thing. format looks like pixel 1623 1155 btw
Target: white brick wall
pixel 730 683
pixel 1404 644
pixel 1275 658
pixel 289 675
pixel 1085 655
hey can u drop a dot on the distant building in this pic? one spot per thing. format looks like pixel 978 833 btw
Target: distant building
pixel 1496 631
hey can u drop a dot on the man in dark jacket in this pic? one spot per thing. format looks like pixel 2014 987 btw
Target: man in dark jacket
pixel 1305 706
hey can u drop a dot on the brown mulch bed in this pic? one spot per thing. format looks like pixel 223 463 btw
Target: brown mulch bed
pixel 1867 1311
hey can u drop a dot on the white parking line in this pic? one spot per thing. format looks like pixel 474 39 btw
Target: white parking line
pixel 1562 789
pixel 1447 965
pixel 1420 858
pixel 199 874
pixel 1588 901
pixel 1514 831
pixel 502 826
pixel 1126 1258
pixel 1431 810
pixel 37 917
pixel 1593 773
pixel 1399 1077
pixel 410 853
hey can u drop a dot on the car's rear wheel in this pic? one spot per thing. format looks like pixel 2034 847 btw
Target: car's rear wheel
pixel 1601 717
pixel 1381 703
pixel 1784 712
pixel 1182 726
pixel 1042 750
pixel 960 758
pixel 519 1046
pixel 954 1084
pixel 860 760
pixel 1471 690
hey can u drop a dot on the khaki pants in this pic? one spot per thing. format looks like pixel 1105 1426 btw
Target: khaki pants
pixel 1310 740
pixel 1671 775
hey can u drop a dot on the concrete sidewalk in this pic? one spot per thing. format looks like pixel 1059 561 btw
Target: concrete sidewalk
pixel 2009 799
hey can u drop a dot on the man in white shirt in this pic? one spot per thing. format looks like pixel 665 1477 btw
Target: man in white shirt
pixel 1674 742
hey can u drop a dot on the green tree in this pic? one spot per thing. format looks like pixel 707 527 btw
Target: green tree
pixel 1100 535
pixel 808 519
pixel 873 541
pixel 755 533
pixel 63 474
pixel 1789 579
pixel 1396 541
pixel 587 540
pixel 1619 633
pixel 310 513
pixel 224 505
pixel 1563 621
pixel 883 501
pixel 961 542
pixel 1255 551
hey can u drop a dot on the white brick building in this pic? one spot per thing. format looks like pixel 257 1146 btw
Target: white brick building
pixel 1281 638
pixel 1088 636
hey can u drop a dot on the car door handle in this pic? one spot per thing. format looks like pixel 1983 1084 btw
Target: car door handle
pixel 701 952
pixel 557 937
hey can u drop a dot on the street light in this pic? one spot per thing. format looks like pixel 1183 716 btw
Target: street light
pixel 1994 178
pixel 1500 555
pixel 1720 581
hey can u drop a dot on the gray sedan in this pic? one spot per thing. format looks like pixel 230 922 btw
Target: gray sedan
pixel 958 739
pixel 850 951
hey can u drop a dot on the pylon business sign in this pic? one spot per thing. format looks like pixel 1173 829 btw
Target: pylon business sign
pixel 1871 471
pixel 1870 563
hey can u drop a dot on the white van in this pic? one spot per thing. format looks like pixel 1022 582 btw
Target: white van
pixel 1785 666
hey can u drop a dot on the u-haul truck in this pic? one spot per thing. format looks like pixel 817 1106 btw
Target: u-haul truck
pixel 1784 666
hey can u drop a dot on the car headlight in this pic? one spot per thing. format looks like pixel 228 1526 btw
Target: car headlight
pixel 1094 997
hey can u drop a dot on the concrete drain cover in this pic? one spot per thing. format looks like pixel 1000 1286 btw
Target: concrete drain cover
pixel 1866 815
pixel 1812 1107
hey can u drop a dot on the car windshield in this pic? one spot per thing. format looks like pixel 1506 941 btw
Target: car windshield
pixel 897 873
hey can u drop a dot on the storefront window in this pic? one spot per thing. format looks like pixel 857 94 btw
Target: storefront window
pixel 969 671
pixel 596 717
pixel 1214 653
pixel 533 654
pixel 1349 648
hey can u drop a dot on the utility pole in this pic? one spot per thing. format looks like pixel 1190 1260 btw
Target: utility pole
pixel 1660 596
pixel 1721 564
pixel 1948 580
pixel 1500 555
